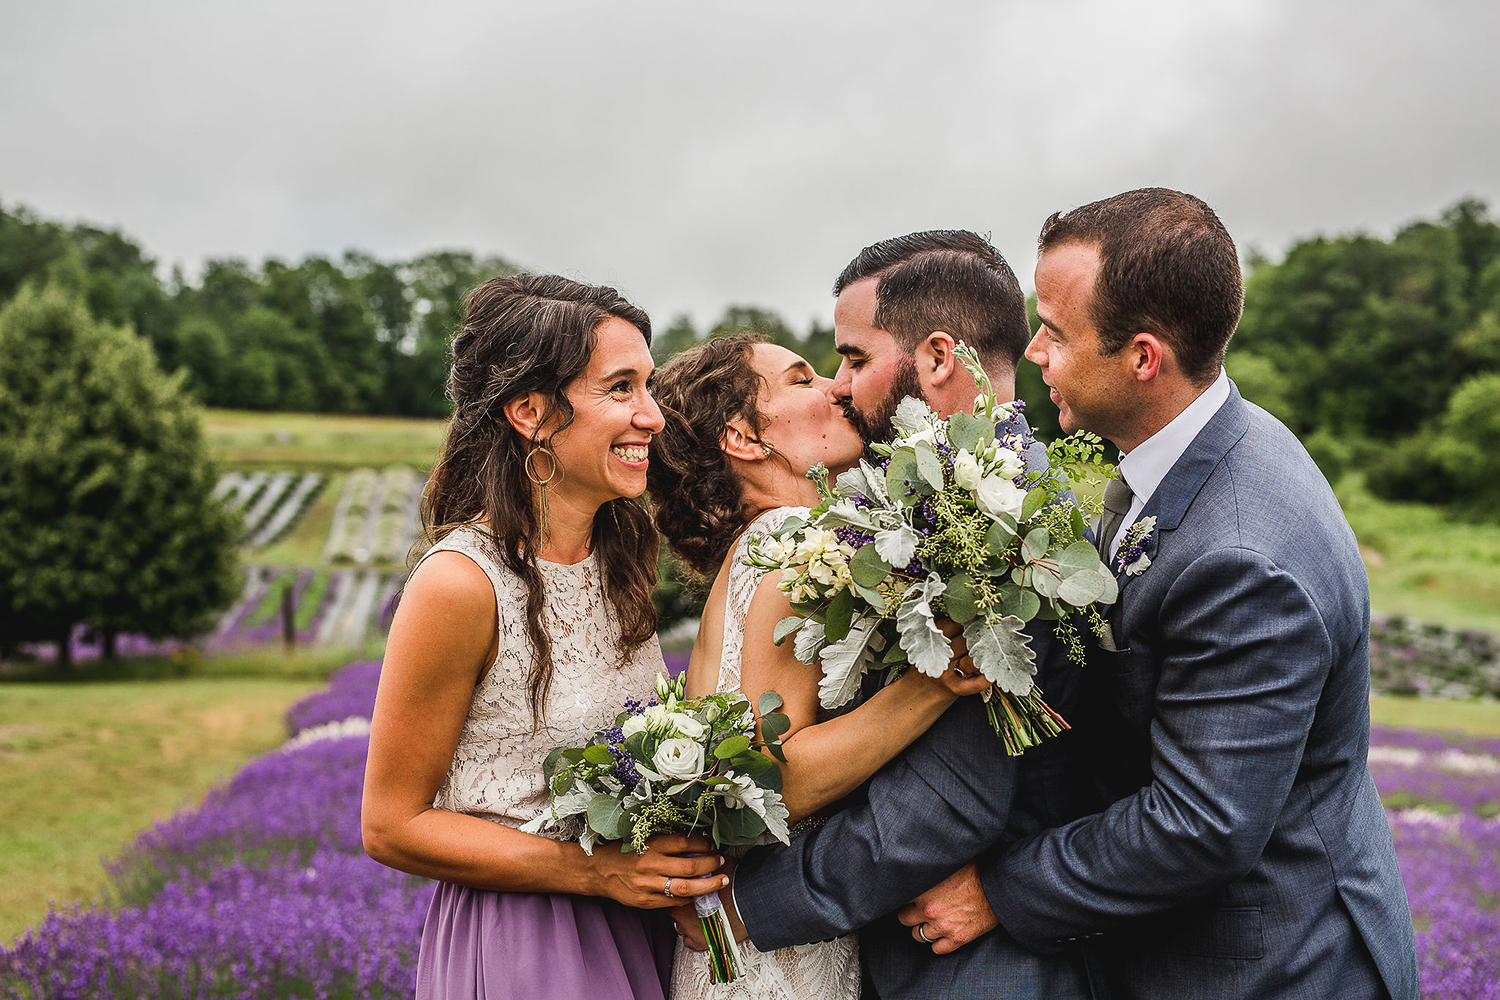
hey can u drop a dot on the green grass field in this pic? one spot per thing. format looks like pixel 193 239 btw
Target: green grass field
pixel 243 439
pixel 1424 563
pixel 86 766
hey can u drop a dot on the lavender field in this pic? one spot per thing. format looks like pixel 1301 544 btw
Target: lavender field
pixel 264 891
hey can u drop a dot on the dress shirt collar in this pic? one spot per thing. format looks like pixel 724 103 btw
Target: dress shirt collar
pixel 1149 462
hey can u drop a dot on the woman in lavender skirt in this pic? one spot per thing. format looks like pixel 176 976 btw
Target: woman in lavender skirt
pixel 525 626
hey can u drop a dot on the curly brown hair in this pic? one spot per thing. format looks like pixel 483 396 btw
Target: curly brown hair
pixel 520 334
pixel 699 504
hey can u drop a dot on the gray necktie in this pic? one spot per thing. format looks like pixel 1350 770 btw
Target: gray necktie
pixel 1117 497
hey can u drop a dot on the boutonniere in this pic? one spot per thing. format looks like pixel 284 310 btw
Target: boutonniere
pixel 1130 557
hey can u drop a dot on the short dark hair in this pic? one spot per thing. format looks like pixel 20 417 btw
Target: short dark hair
pixel 945 279
pixel 1166 264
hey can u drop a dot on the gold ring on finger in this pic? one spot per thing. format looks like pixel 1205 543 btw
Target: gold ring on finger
pixel 668 888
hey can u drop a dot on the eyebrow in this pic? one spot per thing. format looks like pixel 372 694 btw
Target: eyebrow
pixel 625 373
pixel 1048 324
pixel 847 349
pixel 798 366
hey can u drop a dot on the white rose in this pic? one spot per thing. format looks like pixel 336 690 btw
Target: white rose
pixel 679 758
pixel 685 724
pixel 1004 462
pixel 966 470
pixel 998 495
pixel 634 724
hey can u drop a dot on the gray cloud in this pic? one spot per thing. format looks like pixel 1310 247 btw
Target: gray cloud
pixel 698 155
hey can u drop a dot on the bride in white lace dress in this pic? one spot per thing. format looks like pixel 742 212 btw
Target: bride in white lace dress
pixel 745 421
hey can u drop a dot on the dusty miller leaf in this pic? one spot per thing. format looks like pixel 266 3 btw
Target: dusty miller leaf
pixel 1002 653
pixel 926 646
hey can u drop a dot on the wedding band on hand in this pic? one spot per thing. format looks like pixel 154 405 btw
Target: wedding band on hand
pixel 668 888
pixel 960 672
pixel 922 933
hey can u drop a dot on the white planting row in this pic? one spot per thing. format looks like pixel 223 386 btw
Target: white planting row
pixel 276 488
pixel 360 595
pixel 376 519
pixel 287 512
pixel 237 488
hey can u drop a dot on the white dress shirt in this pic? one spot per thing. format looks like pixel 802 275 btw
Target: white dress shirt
pixel 1149 462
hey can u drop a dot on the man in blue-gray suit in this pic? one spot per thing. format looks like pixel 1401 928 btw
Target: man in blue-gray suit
pixel 1244 852
pixel 903 305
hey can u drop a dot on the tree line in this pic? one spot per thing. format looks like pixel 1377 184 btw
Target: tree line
pixel 1382 354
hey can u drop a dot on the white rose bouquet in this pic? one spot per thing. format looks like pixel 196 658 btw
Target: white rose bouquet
pixel 670 765
pixel 948 523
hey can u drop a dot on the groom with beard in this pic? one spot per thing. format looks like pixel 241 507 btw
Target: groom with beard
pixel 903 305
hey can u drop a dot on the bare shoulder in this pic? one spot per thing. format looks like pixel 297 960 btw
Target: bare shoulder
pixel 447 616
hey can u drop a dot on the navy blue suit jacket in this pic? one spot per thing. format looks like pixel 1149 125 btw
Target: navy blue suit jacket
pixel 1245 852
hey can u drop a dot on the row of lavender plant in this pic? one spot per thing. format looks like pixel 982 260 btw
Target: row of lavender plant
pixel 236 899
pixel 1409 656
pixel 263 891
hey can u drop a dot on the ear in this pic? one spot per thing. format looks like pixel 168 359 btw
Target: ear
pixel 526 414
pixel 935 361
pixel 1146 354
pixel 738 440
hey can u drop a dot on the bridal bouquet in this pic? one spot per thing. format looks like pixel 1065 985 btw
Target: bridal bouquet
pixel 948 523
pixel 672 765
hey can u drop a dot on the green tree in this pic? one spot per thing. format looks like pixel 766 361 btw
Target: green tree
pixel 678 336
pixel 1470 429
pixel 105 484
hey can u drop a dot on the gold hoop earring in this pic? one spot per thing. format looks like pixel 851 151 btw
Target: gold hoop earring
pixel 541 483
pixel 541 449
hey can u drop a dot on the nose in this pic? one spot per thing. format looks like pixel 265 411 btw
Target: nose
pixel 1034 351
pixel 648 417
pixel 843 382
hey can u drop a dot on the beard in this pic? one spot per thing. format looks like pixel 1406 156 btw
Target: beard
pixel 876 427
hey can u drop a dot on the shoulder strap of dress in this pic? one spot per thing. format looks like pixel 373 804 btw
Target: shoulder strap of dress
pixel 740 591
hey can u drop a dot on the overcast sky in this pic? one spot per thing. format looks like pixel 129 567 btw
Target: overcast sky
pixel 702 154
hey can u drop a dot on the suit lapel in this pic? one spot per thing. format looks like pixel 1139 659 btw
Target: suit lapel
pixel 1181 485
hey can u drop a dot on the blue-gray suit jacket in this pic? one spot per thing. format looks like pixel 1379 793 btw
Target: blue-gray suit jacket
pixel 1245 852
pixel 951 795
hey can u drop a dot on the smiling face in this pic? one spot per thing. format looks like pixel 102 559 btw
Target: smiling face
pixel 604 451
pixel 1093 391
pixel 802 419
pixel 876 372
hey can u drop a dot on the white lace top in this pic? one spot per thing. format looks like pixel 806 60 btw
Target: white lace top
pixel 497 769
pixel 827 970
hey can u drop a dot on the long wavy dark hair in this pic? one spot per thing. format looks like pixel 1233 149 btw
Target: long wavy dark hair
pixel 699 504
pixel 520 334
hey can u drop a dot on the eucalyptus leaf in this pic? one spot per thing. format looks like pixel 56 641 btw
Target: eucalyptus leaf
pixel 959 598
pixel 1111 588
pixel 1079 556
pixel 1018 603
pixel 606 816
pixel 730 747
pixel 786 627
pixel 967 431
pixel 769 702
pixel 1044 578
pixel 1002 653
pixel 598 754
pixel 1035 501
pixel 1081 589
pixel 901 471
pixel 840 614
pixel 929 465
pixel 1000 536
pixel 867 568
pixel 1034 545
pixel 872 597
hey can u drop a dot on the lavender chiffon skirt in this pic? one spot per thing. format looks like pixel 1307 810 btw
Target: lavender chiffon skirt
pixel 532 946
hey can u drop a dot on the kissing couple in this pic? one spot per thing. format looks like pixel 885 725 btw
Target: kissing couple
pixel 1207 827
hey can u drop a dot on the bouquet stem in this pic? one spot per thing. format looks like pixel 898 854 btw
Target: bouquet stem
pixel 723 953
pixel 1022 722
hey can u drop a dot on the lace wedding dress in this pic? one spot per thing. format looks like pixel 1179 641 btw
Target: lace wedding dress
pixel 827 969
